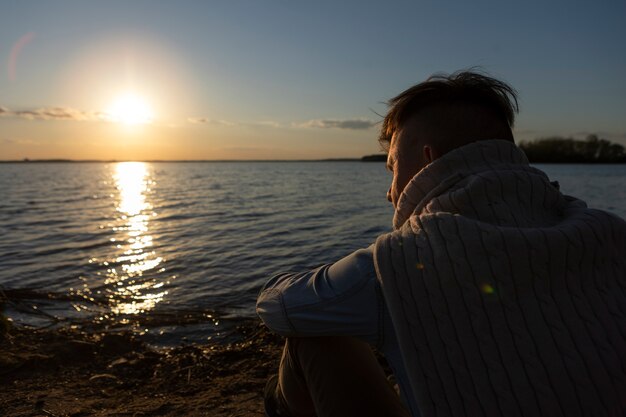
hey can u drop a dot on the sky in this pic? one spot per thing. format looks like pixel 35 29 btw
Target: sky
pixel 145 80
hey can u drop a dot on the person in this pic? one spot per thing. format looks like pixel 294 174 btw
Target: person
pixel 495 294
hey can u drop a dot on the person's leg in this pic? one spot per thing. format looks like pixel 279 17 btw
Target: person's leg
pixel 335 376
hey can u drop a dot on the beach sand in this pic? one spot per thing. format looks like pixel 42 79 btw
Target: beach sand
pixel 66 372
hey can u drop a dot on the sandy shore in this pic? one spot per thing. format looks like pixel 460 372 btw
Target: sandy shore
pixel 69 373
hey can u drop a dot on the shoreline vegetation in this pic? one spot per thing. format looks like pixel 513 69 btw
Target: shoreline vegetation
pixel 568 150
pixel 556 149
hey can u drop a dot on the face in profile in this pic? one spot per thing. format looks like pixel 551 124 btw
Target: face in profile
pixel 406 157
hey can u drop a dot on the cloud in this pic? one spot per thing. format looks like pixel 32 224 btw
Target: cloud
pixel 53 113
pixel 352 124
pixel 268 123
pixel 12 141
pixel 230 123
pixel 198 120
pixel 205 120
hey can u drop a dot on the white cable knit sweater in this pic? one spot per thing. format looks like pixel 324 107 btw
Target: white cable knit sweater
pixel 508 298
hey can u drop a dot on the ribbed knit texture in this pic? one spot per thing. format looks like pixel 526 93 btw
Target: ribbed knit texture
pixel 508 298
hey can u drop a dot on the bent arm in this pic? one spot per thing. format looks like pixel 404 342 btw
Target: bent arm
pixel 343 298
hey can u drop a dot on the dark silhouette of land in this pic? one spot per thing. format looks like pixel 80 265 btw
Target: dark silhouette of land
pixel 88 161
pixel 375 158
pixel 568 150
pixel 560 150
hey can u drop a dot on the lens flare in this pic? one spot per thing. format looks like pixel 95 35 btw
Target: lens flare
pixel 15 53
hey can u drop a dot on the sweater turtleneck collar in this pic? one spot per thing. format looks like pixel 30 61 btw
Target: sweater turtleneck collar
pixel 441 174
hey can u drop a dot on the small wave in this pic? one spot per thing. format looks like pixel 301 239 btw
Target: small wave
pixel 221 228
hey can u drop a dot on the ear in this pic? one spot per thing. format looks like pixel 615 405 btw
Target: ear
pixel 429 154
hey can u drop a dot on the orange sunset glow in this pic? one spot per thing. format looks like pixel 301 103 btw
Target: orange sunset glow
pixel 324 208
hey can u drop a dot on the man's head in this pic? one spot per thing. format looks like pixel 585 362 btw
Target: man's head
pixel 440 114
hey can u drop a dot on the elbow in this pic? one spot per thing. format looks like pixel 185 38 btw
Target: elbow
pixel 271 311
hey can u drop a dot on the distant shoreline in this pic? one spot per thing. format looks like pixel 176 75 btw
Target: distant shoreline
pixel 195 161
pixel 90 161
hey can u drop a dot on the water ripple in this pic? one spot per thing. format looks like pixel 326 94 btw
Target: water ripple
pixel 143 242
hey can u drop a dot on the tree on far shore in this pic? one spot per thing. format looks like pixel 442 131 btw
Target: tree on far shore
pixel 559 149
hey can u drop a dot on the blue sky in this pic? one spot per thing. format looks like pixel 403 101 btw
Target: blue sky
pixel 278 79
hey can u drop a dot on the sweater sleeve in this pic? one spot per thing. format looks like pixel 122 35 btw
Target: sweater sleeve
pixel 343 298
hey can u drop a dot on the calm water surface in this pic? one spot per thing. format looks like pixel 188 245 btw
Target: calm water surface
pixel 156 245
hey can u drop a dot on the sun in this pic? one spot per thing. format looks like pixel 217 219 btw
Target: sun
pixel 130 109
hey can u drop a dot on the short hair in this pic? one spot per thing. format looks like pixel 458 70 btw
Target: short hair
pixel 467 88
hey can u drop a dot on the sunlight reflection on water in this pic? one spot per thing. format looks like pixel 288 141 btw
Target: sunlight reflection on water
pixel 114 237
pixel 129 292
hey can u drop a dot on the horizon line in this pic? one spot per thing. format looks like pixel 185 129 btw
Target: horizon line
pixel 62 160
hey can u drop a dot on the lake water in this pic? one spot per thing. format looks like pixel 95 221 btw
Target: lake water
pixel 179 250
